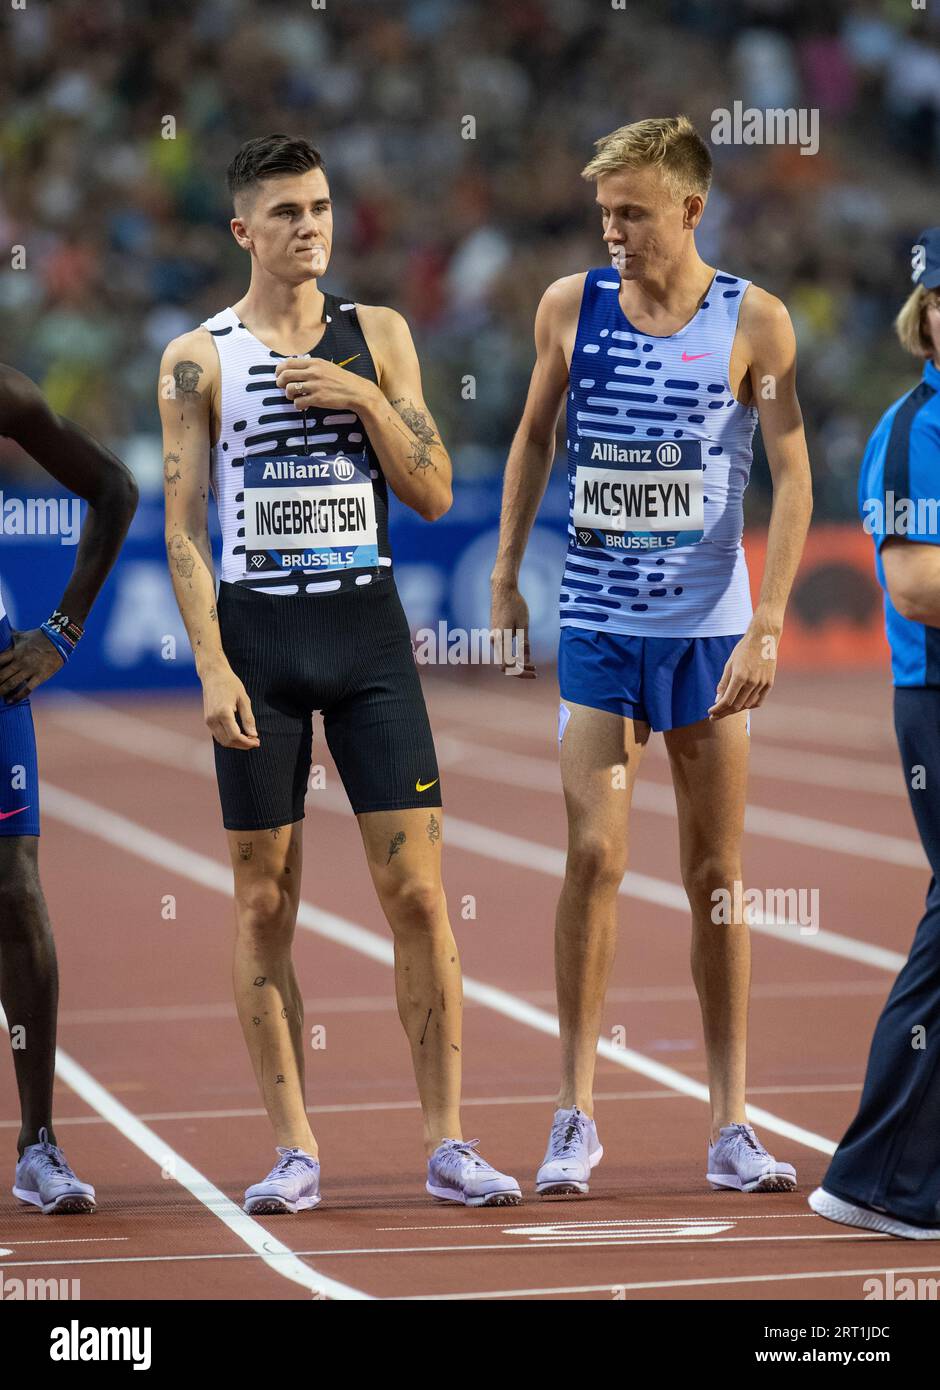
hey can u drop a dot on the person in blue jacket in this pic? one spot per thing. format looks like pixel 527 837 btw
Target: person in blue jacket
pixel 885 1174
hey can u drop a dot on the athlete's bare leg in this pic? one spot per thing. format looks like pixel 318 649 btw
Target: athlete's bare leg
pixel 403 850
pixel 709 772
pixel 267 866
pixel 600 757
pixel 29 982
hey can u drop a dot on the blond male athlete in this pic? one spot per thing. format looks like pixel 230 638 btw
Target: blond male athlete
pixel 300 409
pixel 667 365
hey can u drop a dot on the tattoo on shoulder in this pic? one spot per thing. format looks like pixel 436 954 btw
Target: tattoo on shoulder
pixel 186 379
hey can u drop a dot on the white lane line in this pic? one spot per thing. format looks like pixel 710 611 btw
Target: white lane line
pixel 126 835
pixel 605 1221
pixel 482 1102
pixel 612 1289
pixel 275 1254
pixel 330 1253
pixel 147 740
pixel 69 1240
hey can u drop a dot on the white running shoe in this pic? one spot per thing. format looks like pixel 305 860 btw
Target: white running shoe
pixel 740 1161
pixel 45 1180
pixel 573 1150
pixel 833 1208
pixel 457 1173
pixel 292 1185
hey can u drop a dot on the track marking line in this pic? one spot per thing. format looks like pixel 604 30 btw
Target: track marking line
pixel 611 1289
pixel 91 819
pixel 366 1107
pixel 146 740
pixel 275 1254
pixel 613 1221
pixel 331 1253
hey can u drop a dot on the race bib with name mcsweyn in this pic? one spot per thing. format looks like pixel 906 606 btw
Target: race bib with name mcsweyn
pixel 308 512
pixel 642 494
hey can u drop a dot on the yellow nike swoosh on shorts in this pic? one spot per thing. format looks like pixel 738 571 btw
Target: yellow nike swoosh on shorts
pixel 347 360
pixel 423 786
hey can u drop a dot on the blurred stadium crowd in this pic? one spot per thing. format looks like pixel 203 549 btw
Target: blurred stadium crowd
pixel 126 232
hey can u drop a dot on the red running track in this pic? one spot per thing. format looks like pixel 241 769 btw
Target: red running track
pixel 157 1105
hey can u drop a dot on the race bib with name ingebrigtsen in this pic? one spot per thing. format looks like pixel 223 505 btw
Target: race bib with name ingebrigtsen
pixel 308 512
pixel 641 494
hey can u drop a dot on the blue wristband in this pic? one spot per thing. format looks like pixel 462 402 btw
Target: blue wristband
pixel 58 641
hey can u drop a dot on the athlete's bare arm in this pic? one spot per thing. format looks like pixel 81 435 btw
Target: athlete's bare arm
pixel 394 413
pixel 530 457
pixel 187 393
pixel 766 349
pixel 93 473
pixel 912 574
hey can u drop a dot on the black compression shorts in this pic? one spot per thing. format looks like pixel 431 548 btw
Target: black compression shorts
pixel 349 655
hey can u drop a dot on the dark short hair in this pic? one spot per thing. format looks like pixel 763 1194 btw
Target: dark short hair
pixel 269 157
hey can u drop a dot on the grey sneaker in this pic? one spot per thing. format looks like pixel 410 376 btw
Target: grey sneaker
pixel 292 1185
pixel 45 1180
pixel 573 1150
pixel 740 1161
pixel 457 1173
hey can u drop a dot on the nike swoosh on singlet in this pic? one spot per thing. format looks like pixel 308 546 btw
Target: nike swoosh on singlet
pixel 5 815
pixel 695 356
pixel 348 359
pixel 423 786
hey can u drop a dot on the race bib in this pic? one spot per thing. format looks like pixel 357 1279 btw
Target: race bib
pixel 310 513
pixel 645 494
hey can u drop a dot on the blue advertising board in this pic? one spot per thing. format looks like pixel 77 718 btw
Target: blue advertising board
pixel 135 639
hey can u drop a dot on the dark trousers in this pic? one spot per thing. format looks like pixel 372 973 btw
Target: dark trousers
pixel 890 1156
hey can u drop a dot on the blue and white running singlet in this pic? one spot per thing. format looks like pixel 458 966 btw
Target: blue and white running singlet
pixel 659 454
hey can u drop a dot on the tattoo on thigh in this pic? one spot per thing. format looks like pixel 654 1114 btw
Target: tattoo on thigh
pixel 275 833
pixel 434 829
pixel 260 980
pixel 397 840
pixel 246 849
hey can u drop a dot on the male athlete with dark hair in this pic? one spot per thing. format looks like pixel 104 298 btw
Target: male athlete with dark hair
pixel 29 984
pixel 300 408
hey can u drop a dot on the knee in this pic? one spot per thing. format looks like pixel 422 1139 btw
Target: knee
pixel 264 908
pixel 414 906
pixel 707 874
pixel 596 863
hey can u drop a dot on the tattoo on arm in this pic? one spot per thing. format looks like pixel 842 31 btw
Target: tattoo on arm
pixel 186 379
pixel 171 471
pixel 434 829
pixel 182 557
pixel 398 839
pixel 424 436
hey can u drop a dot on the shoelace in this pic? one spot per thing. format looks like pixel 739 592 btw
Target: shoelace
pixel 281 1169
pixel 464 1151
pixel 51 1157
pixel 566 1134
pixel 745 1135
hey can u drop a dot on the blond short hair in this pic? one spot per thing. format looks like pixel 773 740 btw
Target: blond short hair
pixel 911 324
pixel 669 143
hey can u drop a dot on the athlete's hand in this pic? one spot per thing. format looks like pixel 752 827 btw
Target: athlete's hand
pixel 228 710
pixel 509 628
pixel 312 381
pixel 31 660
pixel 748 676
